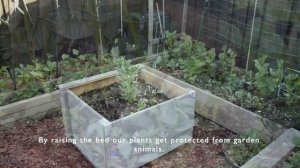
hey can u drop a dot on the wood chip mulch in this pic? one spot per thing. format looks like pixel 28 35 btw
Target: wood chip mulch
pixel 19 147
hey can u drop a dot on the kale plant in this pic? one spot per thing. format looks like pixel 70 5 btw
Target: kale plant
pixel 201 64
pixel 128 76
pixel 294 160
pixel 241 153
pixel 226 63
pixel 292 92
pixel 267 80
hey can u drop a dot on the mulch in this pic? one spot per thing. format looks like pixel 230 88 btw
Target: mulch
pixel 19 147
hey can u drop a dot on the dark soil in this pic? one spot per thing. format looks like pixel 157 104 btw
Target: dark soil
pixel 19 147
pixel 109 103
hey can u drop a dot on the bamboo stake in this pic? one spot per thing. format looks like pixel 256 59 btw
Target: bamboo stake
pixel 56 6
pixel 10 28
pixel 150 33
pixel 164 15
pixel 286 42
pixel 121 9
pixel 218 24
pixel 251 37
pixel 231 22
pixel 245 25
pixel 29 31
pixel 99 31
pixel 202 19
pixel 3 9
pixel 261 26
pixel 159 20
pixel 184 16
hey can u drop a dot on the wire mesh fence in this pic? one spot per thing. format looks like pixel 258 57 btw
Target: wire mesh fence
pixel 252 28
pixel 57 27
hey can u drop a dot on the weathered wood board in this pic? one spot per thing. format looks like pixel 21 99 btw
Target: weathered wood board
pixel 33 108
pixel 275 153
pixel 35 117
pixel 227 114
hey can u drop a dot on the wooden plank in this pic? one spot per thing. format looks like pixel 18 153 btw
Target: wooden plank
pixel 169 88
pixel 227 114
pixel 87 80
pixel 28 103
pixel 149 77
pixel 35 117
pixel 275 153
pixel 29 112
pixel 94 85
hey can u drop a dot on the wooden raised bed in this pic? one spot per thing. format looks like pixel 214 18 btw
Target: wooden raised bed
pixel 172 119
pixel 275 153
pixel 225 113
pixel 30 109
pixel 38 107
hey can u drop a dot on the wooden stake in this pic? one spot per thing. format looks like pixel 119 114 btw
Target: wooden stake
pixel 164 15
pixel 184 16
pixel 121 9
pixel 151 19
pixel 251 37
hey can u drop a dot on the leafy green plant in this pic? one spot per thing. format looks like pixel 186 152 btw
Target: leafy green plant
pixel 294 160
pixel 292 84
pixel 141 104
pixel 4 78
pixel 32 89
pixel 241 153
pixel 201 64
pixel 171 39
pixel 178 50
pixel 128 78
pixel 30 73
pixel 267 79
pixel 247 100
pixel 69 64
pixel 226 63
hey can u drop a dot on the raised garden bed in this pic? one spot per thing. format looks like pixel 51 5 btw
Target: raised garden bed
pixel 240 120
pixel 172 119
pixel 227 114
pixel 236 127
pixel 30 109
pixel 275 153
pixel 38 107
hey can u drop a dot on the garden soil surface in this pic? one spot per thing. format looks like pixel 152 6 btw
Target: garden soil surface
pixel 109 103
pixel 19 147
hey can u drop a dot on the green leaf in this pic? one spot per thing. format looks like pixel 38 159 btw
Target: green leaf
pixel 65 56
pixel 75 52
pixel 296 141
pixel 37 74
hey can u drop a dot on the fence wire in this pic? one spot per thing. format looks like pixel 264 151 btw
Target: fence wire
pixel 276 28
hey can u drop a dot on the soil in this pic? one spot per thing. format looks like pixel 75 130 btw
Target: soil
pixel 109 103
pixel 19 147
